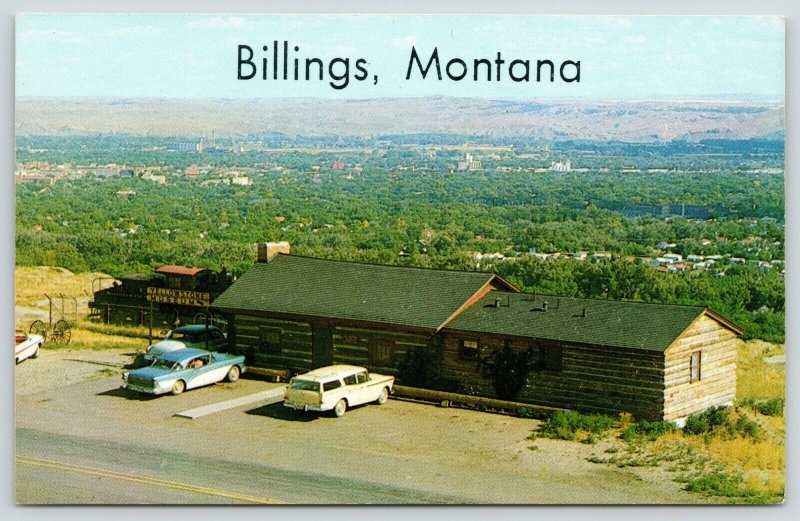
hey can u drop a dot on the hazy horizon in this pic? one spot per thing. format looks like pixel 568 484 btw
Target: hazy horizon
pixel 643 121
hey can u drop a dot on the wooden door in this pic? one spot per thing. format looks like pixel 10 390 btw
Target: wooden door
pixel 321 345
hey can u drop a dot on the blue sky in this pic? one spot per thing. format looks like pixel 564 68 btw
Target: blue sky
pixel 195 56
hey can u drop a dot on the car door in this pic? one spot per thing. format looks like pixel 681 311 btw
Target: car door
pixel 202 370
pixel 351 389
pixel 357 388
pixel 367 390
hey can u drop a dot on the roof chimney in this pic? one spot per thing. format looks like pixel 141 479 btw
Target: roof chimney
pixel 268 251
pixel 497 301
pixel 544 306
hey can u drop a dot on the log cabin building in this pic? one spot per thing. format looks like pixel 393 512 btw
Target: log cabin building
pixel 658 362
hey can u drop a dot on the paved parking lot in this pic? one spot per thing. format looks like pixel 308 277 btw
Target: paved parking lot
pixel 397 453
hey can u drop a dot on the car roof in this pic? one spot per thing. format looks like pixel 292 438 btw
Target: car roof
pixel 194 328
pixel 324 373
pixel 180 355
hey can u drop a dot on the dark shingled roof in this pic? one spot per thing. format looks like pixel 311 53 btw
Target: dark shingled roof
pixel 635 325
pixel 293 285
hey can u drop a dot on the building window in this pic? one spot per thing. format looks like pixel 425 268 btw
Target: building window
pixel 468 350
pixel 270 339
pixel 550 357
pixel 694 367
pixel 381 352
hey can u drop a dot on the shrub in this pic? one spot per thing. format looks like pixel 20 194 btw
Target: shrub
pixel 747 428
pixel 772 407
pixel 564 425
pixel 697 424
pixel 706 421
pixel 718 416
pixel 714 483
pixel 525 412
pixel 717 420
pixel 647 429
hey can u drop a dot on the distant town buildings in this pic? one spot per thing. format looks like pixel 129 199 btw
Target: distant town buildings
pixel 558 166
pixel 191 147
pixel 469 165
pixel 241 181
pixel 158 179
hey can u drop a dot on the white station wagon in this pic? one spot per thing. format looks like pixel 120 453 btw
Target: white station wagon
pixel 337 387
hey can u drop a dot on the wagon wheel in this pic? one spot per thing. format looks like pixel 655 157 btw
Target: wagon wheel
pixel 62 332
pixel 38 327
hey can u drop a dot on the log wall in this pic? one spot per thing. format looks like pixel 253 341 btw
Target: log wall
pixel 295 343
pixel 591 378
pixel 352 346
pixel 717 383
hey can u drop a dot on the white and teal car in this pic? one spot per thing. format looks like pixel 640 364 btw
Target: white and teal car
pixel 177 371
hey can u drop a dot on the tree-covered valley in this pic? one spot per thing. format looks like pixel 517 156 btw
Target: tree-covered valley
pixel 409 200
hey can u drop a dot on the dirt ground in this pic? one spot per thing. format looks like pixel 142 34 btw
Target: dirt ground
pixel 471 456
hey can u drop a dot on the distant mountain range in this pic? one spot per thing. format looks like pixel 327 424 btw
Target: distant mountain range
pixel 632 121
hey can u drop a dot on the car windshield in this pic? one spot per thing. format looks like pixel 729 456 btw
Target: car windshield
pixel 305 385
pixel 165 364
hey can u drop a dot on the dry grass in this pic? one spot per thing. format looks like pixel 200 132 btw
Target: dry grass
pixel 733 464
pixel 754 378
pixel 33 282
pixel 31 285
pixel 86 339
pixel 758 466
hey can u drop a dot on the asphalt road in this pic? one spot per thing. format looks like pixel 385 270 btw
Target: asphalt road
pixel 62 469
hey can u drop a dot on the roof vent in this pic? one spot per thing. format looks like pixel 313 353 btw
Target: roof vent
pixel 544 306
pixel 583 312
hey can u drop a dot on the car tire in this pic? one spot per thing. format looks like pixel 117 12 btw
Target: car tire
pixel 233 374
pixel 36 353
pixel 178 387
pixel 383 396
pixel 340 408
